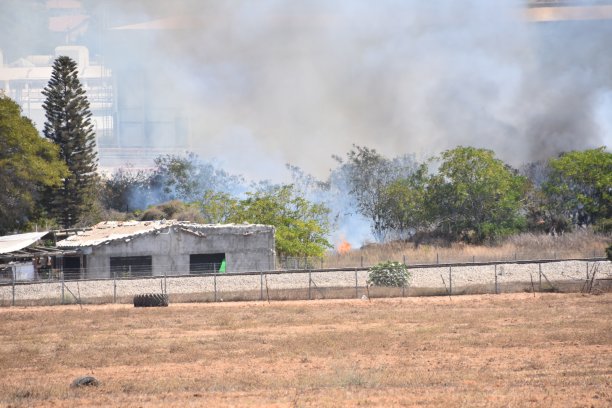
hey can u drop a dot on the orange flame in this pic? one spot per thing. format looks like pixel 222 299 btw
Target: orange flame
pixel 343 247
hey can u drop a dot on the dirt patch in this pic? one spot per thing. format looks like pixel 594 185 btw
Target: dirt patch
pixel 485 350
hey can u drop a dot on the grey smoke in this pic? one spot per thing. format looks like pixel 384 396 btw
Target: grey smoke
pixel 278 81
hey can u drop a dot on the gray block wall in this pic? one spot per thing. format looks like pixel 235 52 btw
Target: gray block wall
pixel 246 249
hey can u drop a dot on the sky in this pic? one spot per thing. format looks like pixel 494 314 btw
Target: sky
pixel 280 81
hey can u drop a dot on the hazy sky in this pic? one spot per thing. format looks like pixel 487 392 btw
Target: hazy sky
pixel 274 81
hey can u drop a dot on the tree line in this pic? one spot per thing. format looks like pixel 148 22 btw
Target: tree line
pixel 467 194
pixel 463 194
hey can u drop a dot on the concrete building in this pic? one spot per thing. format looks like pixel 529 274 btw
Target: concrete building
pixel 24 258
pixel 157 248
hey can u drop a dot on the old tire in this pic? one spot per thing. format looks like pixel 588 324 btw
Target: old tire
pixel 151 300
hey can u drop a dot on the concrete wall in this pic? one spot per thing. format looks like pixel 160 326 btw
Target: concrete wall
pixel 246 249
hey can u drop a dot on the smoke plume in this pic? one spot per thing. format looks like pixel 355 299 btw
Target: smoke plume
pixel 278 81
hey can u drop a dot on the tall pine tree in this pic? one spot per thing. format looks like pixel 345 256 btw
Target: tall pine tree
pixel 69 125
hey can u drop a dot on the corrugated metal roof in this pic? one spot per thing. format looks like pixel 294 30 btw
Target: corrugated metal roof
pixel 12 243
pixel 116 230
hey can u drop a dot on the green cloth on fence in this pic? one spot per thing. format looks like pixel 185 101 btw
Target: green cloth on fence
pixel 222 267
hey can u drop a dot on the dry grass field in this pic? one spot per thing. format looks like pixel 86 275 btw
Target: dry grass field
pixel 512 350
pixel 579 244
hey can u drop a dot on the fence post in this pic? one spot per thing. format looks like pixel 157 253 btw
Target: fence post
pixel 13 268
pixel 404 259
pixel 215 286
pixel 356 285
pixel 62 277
pixel 587 270
pixel 437 258
pixel 261 283
pixel 114 286
pixel 495 272
pixel 309 283
pixel 362 261
pixel 540 276
pixel 450 280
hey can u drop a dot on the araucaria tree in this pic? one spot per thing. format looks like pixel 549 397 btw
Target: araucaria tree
pixel 68 124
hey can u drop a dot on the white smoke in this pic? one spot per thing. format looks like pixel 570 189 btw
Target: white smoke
pixel 278 81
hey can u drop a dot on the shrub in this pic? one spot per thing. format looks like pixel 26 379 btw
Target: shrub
pixel 389 274
pixel 609 252
pixel 152 213
pixel 604 226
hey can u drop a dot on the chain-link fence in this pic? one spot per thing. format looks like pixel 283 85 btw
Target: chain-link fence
pixel 592 275
pixel 364 259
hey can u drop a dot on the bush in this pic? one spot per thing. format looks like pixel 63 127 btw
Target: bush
pixel 389 274
pixel 609 252
pixel 152 214
pixel 604 226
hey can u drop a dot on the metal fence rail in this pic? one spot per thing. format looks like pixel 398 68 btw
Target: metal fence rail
pixel 427 279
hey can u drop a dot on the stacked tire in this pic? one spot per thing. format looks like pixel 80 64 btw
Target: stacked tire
pixel 151 300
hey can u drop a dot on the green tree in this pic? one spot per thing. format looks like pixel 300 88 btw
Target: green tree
pixel 301 226
pixel 476 197
pixel 28 165
pixel 125 190
pixel 369 175
pixel 218 207
pixel 406 203
pixel 68 124
pixel 580 183
pixel 187 178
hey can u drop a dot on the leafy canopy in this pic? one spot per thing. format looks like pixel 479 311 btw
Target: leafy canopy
pixel 369 175
pixel 28 165
pixel 581 181
pixel 475 196
pixel 301 226
pixel 187 178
